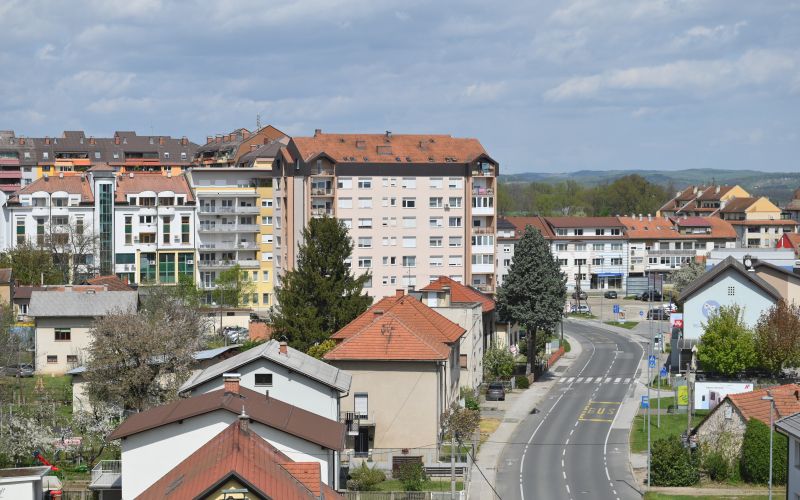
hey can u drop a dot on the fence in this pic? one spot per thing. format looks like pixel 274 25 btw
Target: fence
pixel 403 495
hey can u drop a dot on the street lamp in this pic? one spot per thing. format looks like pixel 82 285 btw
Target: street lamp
pixel 771 412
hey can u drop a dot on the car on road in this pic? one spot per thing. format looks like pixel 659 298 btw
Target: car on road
pixel 496 392
pixel 610 294
pixel 651 295
pixel 658 314
pixel 580 295
pixel 580 309
pixel 23 370
pixel 670 308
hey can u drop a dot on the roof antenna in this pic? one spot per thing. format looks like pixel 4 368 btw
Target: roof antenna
pixel 258 122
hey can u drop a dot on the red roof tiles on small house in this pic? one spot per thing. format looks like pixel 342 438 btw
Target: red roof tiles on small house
pixel 113 283
pixel 583 222
pixel 750 404
pixel 461 293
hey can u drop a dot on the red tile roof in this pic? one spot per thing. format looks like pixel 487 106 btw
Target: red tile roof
pixel 71 183
pixel 138 182
pixel 243 455
pixel 738 204
pixel 663 228
pixel 750 404
pixel 763 222
pixel 112 282
pixel 461 293
pixel 538 223
pixel 579 222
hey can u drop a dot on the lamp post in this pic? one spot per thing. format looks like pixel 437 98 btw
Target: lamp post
pixel 771 412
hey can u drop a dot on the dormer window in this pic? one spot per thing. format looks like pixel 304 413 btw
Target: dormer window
pixel 166 155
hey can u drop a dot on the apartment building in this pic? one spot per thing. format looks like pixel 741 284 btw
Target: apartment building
pixel 226 150
pixel 701 201
pixel 592 251
pixel 417 206
pixel 759 223
pixel 792 209
pixel 509 232
pixel 16 154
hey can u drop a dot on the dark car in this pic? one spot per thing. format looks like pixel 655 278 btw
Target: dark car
pixel 610 294
pixel 582 295
pixel 651 295
pixel 657 314
pixel 23 370
pixel 496 392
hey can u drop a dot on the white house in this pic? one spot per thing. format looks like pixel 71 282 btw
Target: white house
pixel 790 426
pixel 157 440
pixel 26 483
pixel 282 372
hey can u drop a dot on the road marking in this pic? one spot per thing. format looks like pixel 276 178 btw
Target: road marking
pixel 618 379
pixel 563 452
pixel 567 488
pixel 607 402
pixel 564 473
pixel 569 381
pixel 562 462
pixel 580 379
pixel 608 380
pixel 627 380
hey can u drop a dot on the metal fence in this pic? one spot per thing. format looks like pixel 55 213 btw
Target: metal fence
pixel 403 495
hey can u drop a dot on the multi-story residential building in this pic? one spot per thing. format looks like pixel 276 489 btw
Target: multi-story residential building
pixel 16 154
pixel 417 206
pixel 592 250
pixel 701 201
pixel 226 150
pixel 509 232
pixel 792 209
pixel 234 226
pixel 759 223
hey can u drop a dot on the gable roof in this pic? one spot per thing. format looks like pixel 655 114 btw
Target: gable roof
pixel 294 360
pixel 262 409
pixel 728 263
pixel 113 283
pixel 68 183
pixel 520 223
pixel 461 293
pixel 69 303
pixel 738 204
pixel 789 425
pixel 750 404
pixel 138 182
pixel 666 228
pixel 583 222
pixel 242 454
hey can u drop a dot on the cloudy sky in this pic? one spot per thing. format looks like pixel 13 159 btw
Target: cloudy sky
pixel 545 85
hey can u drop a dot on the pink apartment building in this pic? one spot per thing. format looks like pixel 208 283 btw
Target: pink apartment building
pixel 418 206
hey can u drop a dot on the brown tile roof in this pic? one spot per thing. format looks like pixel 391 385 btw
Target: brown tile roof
pixel 138 182
pixel 378 148
pixel 794 240
pixel 243 455
pixel 268 411
pixel 764 222
pixel 694 221
pixel 750 404
pixel 662 228
pixel 461 293
pixel 112 282
pixel 738 204
pixel 538 223
pixel 714 193
pixel 72 183
pixel 578 222
pixel 259 330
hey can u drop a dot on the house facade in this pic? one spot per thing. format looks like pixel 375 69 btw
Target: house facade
pixel 790 427
pixel 700 201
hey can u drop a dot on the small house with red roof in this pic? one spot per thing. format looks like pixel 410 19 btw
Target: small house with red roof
pixel 404 360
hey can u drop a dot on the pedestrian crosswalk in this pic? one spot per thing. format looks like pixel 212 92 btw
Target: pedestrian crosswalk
pixel 593 380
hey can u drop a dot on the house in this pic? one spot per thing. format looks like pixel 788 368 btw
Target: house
pixel 157 440
pixel 227 150
pixel 63 322
pixel 27 483
pixel 790 427
pixel 700 201
pixel 509 232
pixel 22 301
pixel 113 283
pixel 236 461
pixel 790 240
pixel 724 426
pixel 475 313
pixel 758 222
pixel 792 209
pixel 404 360
pixel 282 372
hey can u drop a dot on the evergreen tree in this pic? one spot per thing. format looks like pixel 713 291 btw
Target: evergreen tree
pixel 532 294
pixel 320 295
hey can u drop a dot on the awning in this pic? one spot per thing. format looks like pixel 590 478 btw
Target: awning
pixel 609 275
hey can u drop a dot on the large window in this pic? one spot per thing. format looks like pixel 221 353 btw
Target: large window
pixel 63 334
pixel 186 264
pixel 128 229
pixel 106 214
pixel 166 268
pixel 186 229
pixel 166 223
pixel 147 267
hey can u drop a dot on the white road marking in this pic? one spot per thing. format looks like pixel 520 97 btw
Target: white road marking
pixel 627 380
pixel 569 381
pixel 580 379
pixel 617 381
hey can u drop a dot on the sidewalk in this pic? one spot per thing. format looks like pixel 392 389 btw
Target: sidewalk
pixel 516 410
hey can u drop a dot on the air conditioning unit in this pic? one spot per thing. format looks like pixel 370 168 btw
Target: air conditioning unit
pixel 136 240
pixel 176 239
pixel 190 262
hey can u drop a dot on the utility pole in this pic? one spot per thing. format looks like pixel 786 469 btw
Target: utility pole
pixel 649 375
pixel 452 465
pixel 771 400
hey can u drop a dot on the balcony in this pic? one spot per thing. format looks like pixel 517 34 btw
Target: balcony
pixel 321 191
pixel 106 475
pixel 207 209
pixel 483 173
pixel 224 264
pixel 482 268
pixel 322 212
pixel 685 252
pixel 482 230
pixel 476 249
pixel 482 191
pixel 229 245
pixel 352 420
pixel 229 228
pixel 485 288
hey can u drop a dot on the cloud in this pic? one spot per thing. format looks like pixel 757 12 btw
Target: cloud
pixel 46 52
pixel 722 33
pixel 122 104
pixel 484 91
pixel 755 67
pixel 99 82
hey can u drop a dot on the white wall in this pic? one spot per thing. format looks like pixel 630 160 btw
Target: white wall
pixel 293 388
pixel 149 455
pixel 793 479
pixel 469 318
pixel 20 489
pixel 80 337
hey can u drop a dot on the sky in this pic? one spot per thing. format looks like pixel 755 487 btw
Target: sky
pixel 547 86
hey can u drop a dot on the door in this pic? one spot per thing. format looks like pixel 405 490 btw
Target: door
pixel 361 445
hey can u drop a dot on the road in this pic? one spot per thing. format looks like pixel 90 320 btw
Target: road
pixel 570 447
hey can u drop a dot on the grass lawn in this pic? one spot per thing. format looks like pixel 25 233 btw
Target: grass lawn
pixel 487 426
pixel 565 345
pixel 436 485
pixel 582 315
pixel 671 425
pixel 59 389
pixel 623 324
pixel 651 495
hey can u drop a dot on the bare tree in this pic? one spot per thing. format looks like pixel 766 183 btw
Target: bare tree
pixel 138 360
pixel 75 248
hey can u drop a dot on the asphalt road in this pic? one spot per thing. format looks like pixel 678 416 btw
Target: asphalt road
pixel 568 449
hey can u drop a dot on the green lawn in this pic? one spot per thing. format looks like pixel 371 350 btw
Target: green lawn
pixel 24 389
pixel 436 485
pixel 582 315
pixel 623 324
pixel 671 425
pixel 662 496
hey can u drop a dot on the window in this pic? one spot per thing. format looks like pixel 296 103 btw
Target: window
pixel 409 222
pixel 128 229
pixel 561 247
pixel 483 259
pixel 348 223
pixel 731 291
pixel 435 202
pixel 435 242
pixel 409 183
pixel 266 239
pixel 63 334
pixel 435 222
pixel 390 261
pixel 266 220
pixel 436 261
pixel 361 404
pixel 616 261
pixel 483 240
pixel 365 203
pixel 166 222
pixel 72 358
pixel 436 183
pixel 409 242
pixel 345 203
pixel 365 182
pixel 579 232
pixel 506 262
pixel 454 241
pixel 580 247
pixel 79 225
pixel 616 231
pixel 409 261
pixel 597 262
pixel 454 202
pixel 266 203
pixel 457 260
pixel 455 183
pixel 616 247
pixel 145 219
pixel 580 262
pixel 147 237
pixel 409 202
pixel 599 232
pixel 40 231
pixel 166 268
pixel 263 380
pixel 364 223
pixel 266 256
pixel 562 262
pixel 52 359
pixel 365 242
pixel 364 262
pixel 454 222
pixel 598 247
pixel 344 183
pixel 560 231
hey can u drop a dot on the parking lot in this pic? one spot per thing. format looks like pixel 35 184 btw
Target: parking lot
pixel 633 310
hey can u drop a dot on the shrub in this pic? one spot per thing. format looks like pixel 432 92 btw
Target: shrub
pixel 717 466
pixel 565 345
pixel 365 479
pixel 522 382
pixel 412 476
pixel 470 401
pixel 672 464
pixel 522 347
pixel 755 454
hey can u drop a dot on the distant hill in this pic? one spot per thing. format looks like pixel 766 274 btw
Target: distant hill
pixel 777 186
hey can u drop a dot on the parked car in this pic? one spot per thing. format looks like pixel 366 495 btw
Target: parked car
pixel 610 294
pixel 496 392
pixel 658 314
pixel 581 309
pixel 651 295
pixel 582 295
pixel 236 333
pixel 670 308
pixel 23 370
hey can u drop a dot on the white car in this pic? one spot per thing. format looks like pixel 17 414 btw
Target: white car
pixel 670 308
pixel 581 309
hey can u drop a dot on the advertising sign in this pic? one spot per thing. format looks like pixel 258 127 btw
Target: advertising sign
pixel 676 320
pixel 683 395
pixel 707 395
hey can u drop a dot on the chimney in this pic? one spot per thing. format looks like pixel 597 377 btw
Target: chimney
pixel 47 139
pixel 445 296
pixel 218 138
pixel 169 174
pixel 388 134
pixel 245 134
pixel 253 147
pixel 399 292
pixel 649 218
pixel 317 132
pixel 116 139
pixel 91 140
pixel 61 175
pixel 283 348
pixel 161 140
pixel 640 217
pixel 231 382
pixel 21 141
pixel 184 141
pixel 244 420
pixel 209 139
pixel 46 177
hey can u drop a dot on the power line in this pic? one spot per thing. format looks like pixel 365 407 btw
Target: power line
pixel 475 462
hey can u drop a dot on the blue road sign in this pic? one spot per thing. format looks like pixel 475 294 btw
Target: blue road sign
pixel 645 402
pixel 641 313
pixel 651 361
pixel 616 308
pixel 663 371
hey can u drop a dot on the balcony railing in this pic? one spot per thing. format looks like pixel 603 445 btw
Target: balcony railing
pixel 321 191
pixel 228 245
pixel 228 228
pixel 228 210
pixel 107 474
pixel 321 212
pixel 685 252
pixel 482 191
pixel 482 230
pixel 222 264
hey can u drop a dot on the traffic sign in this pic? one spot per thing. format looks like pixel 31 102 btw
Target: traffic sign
pixel 616 308
pixel 663 371
pixel 645 402
pixel 651 361
pixel 641 313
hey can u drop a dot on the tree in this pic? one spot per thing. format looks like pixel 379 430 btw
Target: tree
pixel 686 274
pixel 31 265
pixel 672 464
pixel 460 422
pixel 726 346
pixel 755 454
pixel 94 427
pixel 74 249
pixel 319 350
pixel 321 294
pixel 532 294
pixel 138 360
pixel 777 338
pixel 23 435
pixel 498 363
pixel 233 287
pixel 10 344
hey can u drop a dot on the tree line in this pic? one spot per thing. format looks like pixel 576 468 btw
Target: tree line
pixel 631 194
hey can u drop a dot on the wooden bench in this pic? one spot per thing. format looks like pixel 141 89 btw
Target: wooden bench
pixel 397 462
pixel 442 471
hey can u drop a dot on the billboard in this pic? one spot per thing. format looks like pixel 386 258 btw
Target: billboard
pixel 707 395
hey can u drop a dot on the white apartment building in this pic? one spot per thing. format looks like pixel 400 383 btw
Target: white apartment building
pixel 509 232
pixel 417 206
